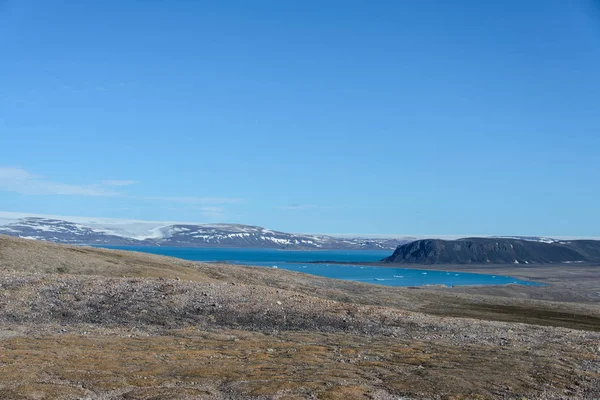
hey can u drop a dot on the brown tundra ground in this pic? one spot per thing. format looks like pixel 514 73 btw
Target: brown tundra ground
pixel 85 323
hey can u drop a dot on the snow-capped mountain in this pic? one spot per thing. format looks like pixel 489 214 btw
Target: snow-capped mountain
pixel 227 235
pixel 61 231
pixel 148 233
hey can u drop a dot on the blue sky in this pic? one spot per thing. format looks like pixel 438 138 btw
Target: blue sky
pixel 375 117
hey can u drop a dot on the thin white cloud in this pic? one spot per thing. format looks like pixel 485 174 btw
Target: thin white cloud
pixel 19 180
pixel 211 212
pixel 9 173
pixel 118 182
pixel 191 199
pixel 298 207
pixel 13 215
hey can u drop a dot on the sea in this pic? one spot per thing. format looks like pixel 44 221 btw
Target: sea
pixel 338 264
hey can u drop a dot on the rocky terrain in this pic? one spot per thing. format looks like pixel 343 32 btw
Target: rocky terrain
pixel 495 251
pixel 86 323
pixel 140 233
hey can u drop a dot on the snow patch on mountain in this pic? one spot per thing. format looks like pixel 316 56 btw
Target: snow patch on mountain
pixel 531 239
pixel 106 231
pixel 131 229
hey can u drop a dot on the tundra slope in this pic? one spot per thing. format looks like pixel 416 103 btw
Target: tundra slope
pixel 101 324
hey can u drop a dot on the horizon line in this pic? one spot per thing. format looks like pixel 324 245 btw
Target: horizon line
pixel 81 219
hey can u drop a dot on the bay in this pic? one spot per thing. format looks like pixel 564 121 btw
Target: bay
pixel 320 263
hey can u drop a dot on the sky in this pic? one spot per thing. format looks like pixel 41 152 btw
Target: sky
pixel 374 117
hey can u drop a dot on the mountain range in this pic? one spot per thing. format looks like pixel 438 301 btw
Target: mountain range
pixel 406 250
pixel 143 233
pixel 496 251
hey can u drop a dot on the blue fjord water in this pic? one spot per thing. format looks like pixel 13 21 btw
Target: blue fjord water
pixel 304 261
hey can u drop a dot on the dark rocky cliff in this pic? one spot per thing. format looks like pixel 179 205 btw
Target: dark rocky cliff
pixel 495 251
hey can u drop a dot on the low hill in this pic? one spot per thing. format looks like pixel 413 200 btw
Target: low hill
pixel 495 251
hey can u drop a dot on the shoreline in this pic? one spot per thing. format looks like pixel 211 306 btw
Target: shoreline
pixel 570 283
pixel 377 281
pixel 119 247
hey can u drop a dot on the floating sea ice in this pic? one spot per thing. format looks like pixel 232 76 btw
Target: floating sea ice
pixel 398 276
pixel 424 273
pixel 274 266
pixel 455 274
